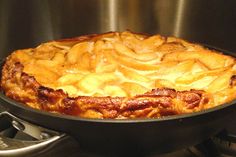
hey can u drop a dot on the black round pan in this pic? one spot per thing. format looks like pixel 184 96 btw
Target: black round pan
pixel 132 136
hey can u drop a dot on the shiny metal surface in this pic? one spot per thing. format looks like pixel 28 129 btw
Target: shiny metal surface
pixel 42 138
pixel 27 23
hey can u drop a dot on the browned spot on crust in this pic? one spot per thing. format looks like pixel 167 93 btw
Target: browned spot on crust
pixel 166 92
pixel 233 80
pixel 192 99
pixel 69 106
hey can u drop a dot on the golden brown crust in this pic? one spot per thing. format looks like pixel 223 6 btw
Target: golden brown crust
pixel 155 103
pixel 160 76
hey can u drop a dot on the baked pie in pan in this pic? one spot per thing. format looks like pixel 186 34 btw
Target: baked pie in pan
pixel 119 75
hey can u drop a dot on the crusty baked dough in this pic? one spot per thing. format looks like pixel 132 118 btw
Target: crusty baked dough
pixel 119 75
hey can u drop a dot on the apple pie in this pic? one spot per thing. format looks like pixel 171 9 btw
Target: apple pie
pixel 119 75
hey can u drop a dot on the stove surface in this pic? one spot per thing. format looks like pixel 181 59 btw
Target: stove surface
pixel 223 145
pixel 70 147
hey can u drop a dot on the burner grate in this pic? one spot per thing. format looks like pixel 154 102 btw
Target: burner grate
pixel 226 143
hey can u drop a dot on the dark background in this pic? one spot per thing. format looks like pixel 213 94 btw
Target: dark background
pixel 27 23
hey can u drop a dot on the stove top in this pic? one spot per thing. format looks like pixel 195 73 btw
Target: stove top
pixel 221 145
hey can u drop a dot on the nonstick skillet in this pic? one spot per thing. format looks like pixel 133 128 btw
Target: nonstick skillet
pixel 114 137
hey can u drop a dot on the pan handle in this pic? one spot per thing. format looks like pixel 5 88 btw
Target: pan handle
pixel 41 138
